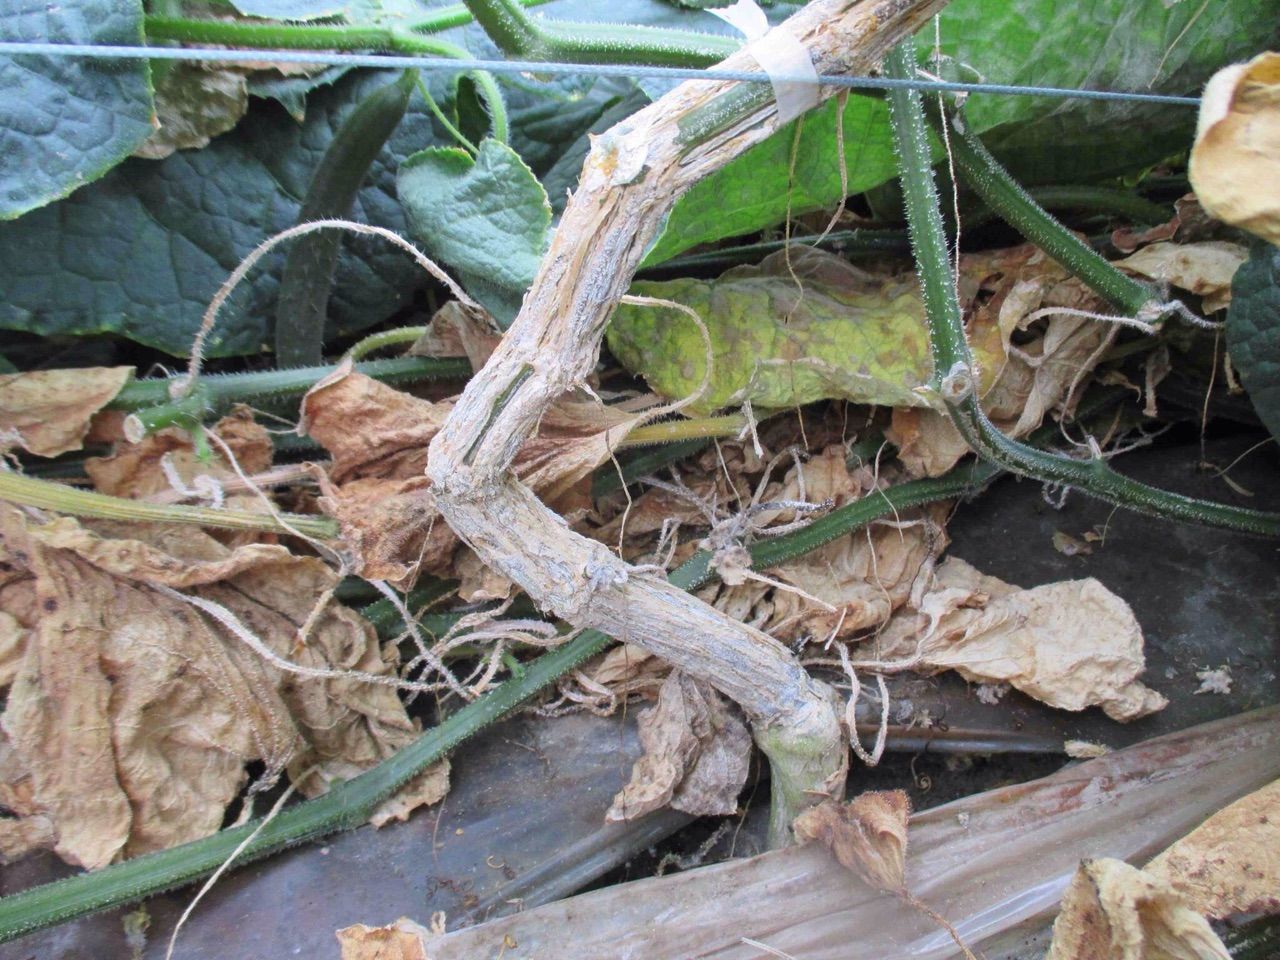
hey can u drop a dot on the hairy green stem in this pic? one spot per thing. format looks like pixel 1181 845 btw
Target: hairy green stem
pixel 296 36
pixel 953 364
pixel 386 338
pixel 1006 197
pixel 457 15
pixel 521 36
pixel 85 503
pixel 148 400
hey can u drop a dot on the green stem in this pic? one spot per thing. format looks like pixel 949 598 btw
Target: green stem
pixel 386 338
pixel 670 431
pixel 294 36
pixel 445 122
pixel 455 16
pixel 953 364
pixel 1005 197
pixel 85 503
pixel 148 399
pixel 521 36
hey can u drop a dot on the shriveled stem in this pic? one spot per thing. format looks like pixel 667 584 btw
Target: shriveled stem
pixel 631 178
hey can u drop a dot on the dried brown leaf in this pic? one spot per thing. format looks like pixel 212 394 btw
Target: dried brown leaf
pixel 1112 911
pixel 135 714
pixel 1203 268
pixel 194 103
pixel 695 754
pixel 1235 162
pixel 1231 862
pixel 1071 645
pixel 867 835
pixel 375 487
pixel 428 787
pixel 402 940
pixel 48 412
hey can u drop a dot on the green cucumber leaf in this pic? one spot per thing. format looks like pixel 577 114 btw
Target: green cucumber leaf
pixel 487 217
pixel 1253 331
pixel 1102 44
pixel 66 121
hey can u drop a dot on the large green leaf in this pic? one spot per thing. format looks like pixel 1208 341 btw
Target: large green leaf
pixel 487 217
pixel 1100 44
pixel 66 121
pixel 141 252
pixel 1253 331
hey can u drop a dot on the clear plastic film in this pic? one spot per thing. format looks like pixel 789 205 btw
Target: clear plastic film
pixel 989 863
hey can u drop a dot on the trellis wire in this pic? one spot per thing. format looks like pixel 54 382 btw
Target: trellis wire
pixel 393 61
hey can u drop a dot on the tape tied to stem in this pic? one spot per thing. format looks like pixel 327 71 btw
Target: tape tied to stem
pixel 782 57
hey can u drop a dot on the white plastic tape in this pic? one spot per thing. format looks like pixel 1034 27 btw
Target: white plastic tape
pixel 780 55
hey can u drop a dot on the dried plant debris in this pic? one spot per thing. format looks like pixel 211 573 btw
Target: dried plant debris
pixel 131 715
pixel 49 412
pixel 376 488
pixel 867 835
pixel 1112 911
pixel 1204 269
pixel 1235 163
pixel 402 940
pixel 1071 645
pixel 1231 862
pixel 696 750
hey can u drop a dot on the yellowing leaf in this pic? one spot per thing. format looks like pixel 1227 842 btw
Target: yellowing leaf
pixel 1235 163
pixel 47 412
pixel 1231 862
pixel 1112 911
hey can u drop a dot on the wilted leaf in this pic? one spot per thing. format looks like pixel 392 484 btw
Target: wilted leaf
pixel 1204 268
pixel 195 103
pixel 48 412
pixel 695 754
pixel 1235 163
pixel 136 715
pixel 1112 911
pixel 867 835
pixel 401 940
pixel 1231 862
pixel 376 488
pixel 1071 645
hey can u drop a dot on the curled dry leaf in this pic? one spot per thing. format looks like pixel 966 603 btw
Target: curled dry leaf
pixel 867 835
pixel 1071 645
pixel 1203 268
pixel 1231 862
pixel 428 787
pixel 1235 162
pixel 1112 911
pixel 131 715
pixel 48 412
pixel 695 754
pixel 402 940
pixel 1032 380
pixel 376 488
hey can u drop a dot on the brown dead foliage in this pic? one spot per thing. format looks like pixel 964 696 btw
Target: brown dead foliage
pixel 1112 911
pixel 696 750
pixel 867 835
pixel 49 412
pixel 376 489
pixel 131 715
pixel 1231 862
